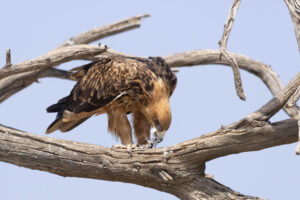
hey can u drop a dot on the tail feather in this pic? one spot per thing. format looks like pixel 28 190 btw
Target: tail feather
pixel 58 124
pixel 60 105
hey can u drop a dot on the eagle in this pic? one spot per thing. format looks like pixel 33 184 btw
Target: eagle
pixel 119 86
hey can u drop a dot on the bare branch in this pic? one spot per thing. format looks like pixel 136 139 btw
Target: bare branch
pixel 261 70
pixel 183 163
pixel 227 55
pixel 15 83
pixel 298 145
pixel 294 98
pixel 275 104
pixel 56 73
pixel 8 59
pixel 104 31
pixel 53 59
pixel 294 8
pixel 263 114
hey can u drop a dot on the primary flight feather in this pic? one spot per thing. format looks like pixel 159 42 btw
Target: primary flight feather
pixel 119 86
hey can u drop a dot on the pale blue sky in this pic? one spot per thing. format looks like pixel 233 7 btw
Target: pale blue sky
pixel 204 99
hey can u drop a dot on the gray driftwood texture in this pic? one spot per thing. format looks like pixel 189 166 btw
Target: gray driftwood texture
pixel 179 169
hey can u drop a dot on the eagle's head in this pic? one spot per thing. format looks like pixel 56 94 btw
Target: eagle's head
pixel 159 116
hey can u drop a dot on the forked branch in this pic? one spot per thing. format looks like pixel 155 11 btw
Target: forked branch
pixel 227 55
pixel 104 31
pixel 183 162
pixel 294 8
pixel 179 169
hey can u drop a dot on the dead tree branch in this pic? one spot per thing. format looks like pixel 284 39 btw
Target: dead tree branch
pixel 298 145
pixel 261 70
pixel 52 59
pixel 104 31
pixel 8 59
pixel 183 162
pixel 179 169
pixel 16 82
pixel 227 55
pixel 275 104
pixel 294 8
pixel 271 108
pixel 294 98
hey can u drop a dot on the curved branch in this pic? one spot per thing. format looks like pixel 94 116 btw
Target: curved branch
pixel 224 52
pixel 52 59
pixel 261 70
pixel 172 169
pixel 294 8
pixel 15 83
pixel 104 31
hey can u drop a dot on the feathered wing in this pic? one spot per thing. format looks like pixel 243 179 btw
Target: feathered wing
pixel 100 84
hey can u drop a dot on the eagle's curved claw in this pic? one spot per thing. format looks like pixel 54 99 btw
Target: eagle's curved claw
pixel 129 147
pixel 158 137
pixel 149 145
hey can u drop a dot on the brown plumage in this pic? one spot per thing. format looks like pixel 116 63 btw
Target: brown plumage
pixel 119 86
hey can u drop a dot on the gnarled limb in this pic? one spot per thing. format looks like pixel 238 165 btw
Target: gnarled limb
pixel 104 31
pixel 227 55
pixel 294 8
pixel 8 59
pixel 52 59
pixel 261 70
pixel 178 169
pixel 16 82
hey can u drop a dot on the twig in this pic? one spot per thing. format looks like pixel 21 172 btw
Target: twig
pixel 271 108
pixel 104 31
pixel 56 73
pixel 226 54
pixel 8 59
pixel 298 145
pixel 293 6
pixel 259 69
pixel 15 83
pixel 52 59
pixel 276 103
pixel 294 99
pixel 185 159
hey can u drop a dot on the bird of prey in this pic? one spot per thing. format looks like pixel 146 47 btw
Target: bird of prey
pixel 119 86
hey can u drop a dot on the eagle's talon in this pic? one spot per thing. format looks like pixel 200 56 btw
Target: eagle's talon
pixel 128 147
pixel 149 145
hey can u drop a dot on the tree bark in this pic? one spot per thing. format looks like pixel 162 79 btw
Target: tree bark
pixel 178 170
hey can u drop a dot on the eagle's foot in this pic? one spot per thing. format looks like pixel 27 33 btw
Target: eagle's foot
pixel 156 140
pixel 129 147
pixel 149 145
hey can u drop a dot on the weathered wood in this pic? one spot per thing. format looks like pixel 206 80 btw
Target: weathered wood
pixel 104 31
pixel 178 169
pixel 294 8
pixel 16 82
pixel 224 52
pixel 52 59
pixel 259 69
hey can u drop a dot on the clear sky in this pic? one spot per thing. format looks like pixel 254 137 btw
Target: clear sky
pixel 204 99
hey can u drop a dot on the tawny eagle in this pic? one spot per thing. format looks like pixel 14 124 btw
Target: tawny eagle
pixel 119 86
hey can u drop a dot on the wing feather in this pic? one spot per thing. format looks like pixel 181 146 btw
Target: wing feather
pixel 103 81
